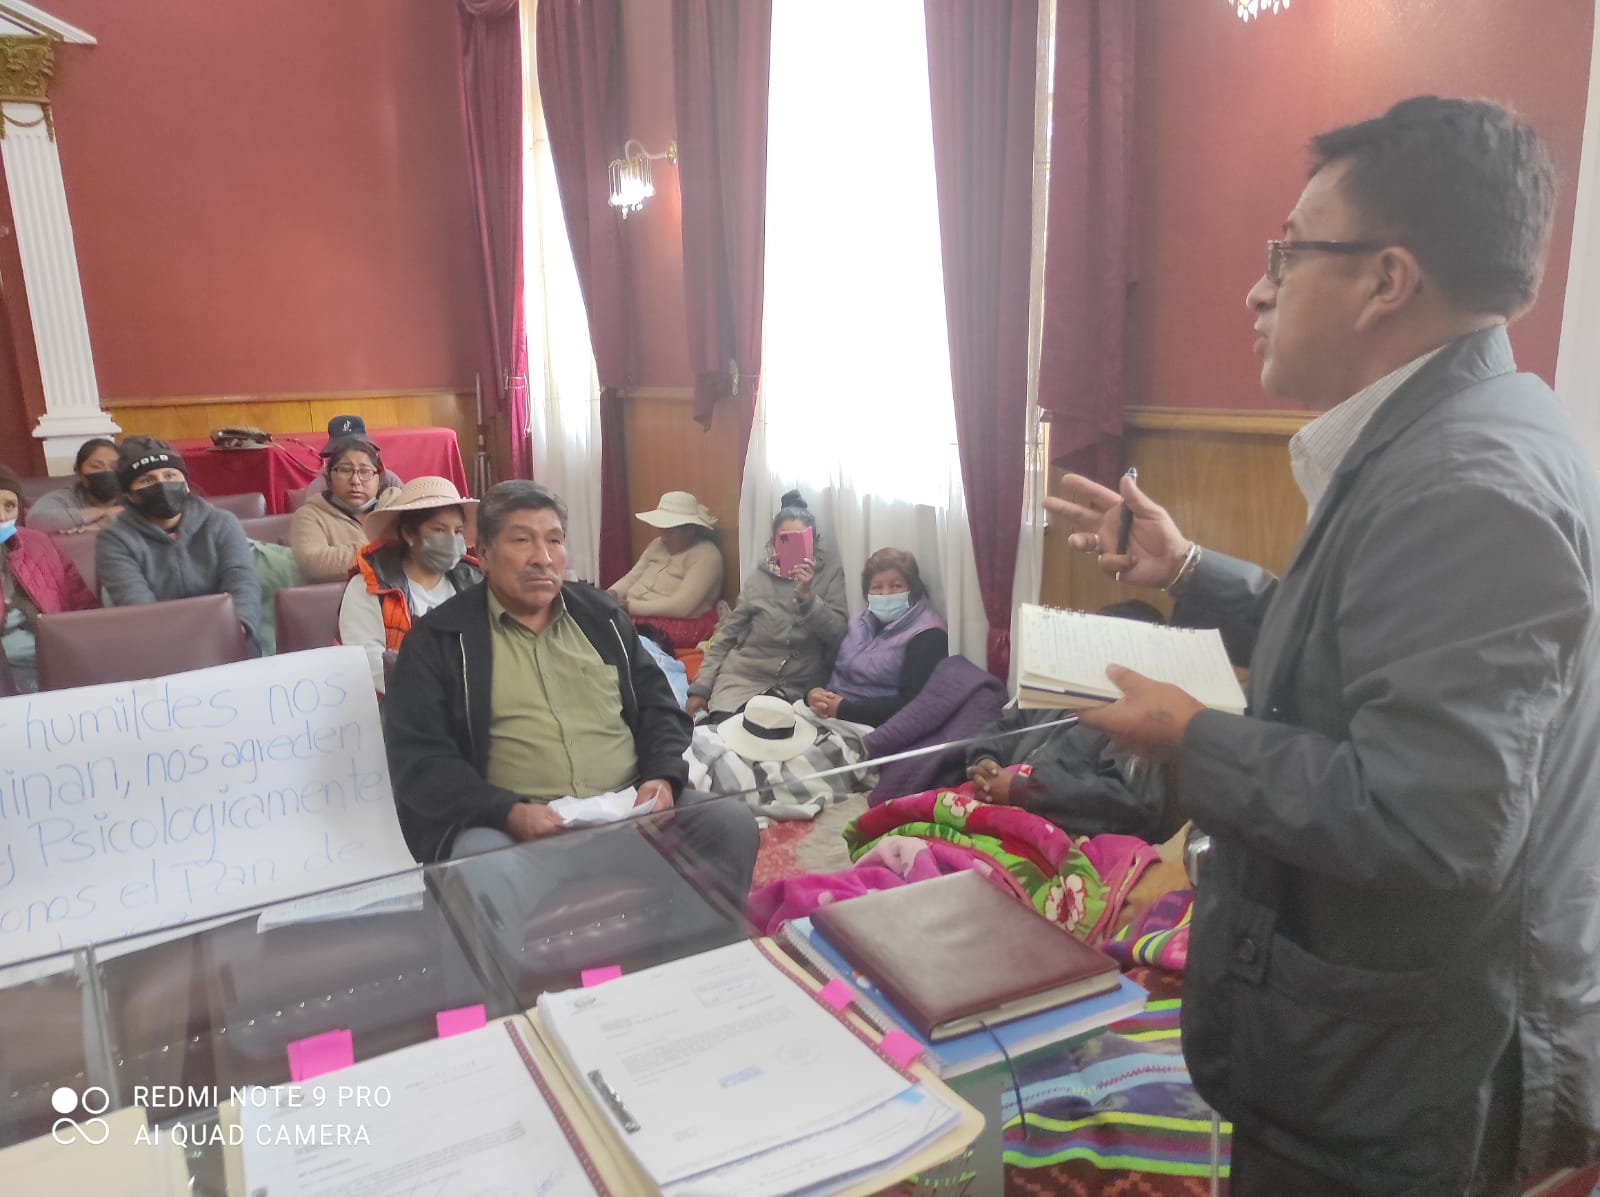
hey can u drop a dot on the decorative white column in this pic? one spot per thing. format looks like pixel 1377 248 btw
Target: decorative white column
pixel 49 255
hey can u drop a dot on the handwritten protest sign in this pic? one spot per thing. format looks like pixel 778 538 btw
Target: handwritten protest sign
pixel 140 805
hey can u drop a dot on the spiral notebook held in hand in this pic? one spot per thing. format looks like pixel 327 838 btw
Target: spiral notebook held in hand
pixel 955 953
pixel 1062 658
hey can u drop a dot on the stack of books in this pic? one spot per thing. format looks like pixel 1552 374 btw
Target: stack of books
pixel 964 969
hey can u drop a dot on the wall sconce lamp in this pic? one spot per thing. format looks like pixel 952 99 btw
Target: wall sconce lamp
pixel 630 175
pixel 1247 9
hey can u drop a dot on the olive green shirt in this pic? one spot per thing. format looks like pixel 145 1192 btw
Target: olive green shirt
pixel 555 713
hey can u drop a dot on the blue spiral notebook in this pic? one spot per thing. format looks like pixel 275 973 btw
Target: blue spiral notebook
pixel 966 1053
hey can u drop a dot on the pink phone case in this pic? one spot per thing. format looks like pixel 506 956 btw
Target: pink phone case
pixel 793 548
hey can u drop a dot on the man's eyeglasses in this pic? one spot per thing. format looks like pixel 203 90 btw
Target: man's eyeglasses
pixel 1278 252
pixel 365 473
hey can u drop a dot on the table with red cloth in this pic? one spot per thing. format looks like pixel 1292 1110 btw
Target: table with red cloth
pixel 286 465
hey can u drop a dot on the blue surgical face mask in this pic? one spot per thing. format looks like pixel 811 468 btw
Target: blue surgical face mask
pixel 7 530
pixel 889 607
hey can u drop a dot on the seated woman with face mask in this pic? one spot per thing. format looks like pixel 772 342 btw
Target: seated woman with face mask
pixel 93 500
pixel 416 560
pixel 171 544
pixel 326 533
pixel 35 580
pixel 783 633
pixel 889 651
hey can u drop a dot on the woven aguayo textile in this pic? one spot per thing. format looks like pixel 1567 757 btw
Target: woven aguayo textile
pixel 1115 1114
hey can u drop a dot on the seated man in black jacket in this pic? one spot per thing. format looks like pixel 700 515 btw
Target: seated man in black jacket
pixel 1075 780
pixel 524 689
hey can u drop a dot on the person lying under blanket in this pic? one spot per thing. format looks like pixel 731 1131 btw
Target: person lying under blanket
pixel 1074 777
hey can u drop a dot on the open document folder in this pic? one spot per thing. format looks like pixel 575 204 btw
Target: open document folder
pixel 722 1073
pixel 503 1109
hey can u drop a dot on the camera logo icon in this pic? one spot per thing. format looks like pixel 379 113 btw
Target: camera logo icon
pixel 66 1101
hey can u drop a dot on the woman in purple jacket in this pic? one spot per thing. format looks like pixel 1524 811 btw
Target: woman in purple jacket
pixel 889 650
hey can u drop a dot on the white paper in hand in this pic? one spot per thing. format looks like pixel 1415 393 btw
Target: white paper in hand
pixel 610 807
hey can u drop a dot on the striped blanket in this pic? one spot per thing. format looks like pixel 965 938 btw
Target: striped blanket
pixel 1113 1114
pixel 791 789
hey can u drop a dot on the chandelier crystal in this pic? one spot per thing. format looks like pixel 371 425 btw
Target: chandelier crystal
pixel 1246 9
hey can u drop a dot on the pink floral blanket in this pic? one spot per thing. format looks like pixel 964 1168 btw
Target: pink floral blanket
pixel 1081 884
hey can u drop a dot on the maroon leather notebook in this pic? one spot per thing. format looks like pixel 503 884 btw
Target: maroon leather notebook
pixel 954 952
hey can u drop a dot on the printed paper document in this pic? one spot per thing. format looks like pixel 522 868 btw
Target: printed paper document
pixel 463 1115
pixel 714 1058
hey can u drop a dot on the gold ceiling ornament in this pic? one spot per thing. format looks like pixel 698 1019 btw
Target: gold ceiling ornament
pixel 1247 9
pixel 26 64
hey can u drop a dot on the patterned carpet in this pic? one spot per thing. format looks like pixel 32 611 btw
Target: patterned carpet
pixel 792 849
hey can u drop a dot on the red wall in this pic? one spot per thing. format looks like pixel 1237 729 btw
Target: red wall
pixel 1224 109
pixel 270 197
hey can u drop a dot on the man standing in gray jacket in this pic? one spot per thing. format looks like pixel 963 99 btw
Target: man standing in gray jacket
pixel 172 544
pixel 1394 970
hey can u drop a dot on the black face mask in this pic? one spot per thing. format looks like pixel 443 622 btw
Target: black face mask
pixel 102 486
pixel 161 501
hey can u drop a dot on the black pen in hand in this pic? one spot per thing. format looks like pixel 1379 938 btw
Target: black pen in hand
pixel 1125 522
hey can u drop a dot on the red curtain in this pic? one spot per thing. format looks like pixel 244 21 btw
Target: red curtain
pixel 722 50
pixel 981 74
pixel 490 35
pixel 1089 259
pixel 579 48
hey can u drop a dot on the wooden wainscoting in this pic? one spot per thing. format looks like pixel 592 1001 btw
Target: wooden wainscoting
pixel 666 450
pixel 1225 477
pixel 170 417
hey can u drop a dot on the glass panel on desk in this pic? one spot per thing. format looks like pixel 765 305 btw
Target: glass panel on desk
pixel 215 1007
pixel 48 1041
pixel 628 895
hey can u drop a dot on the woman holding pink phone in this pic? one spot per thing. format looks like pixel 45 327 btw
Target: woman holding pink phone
pixel 782 636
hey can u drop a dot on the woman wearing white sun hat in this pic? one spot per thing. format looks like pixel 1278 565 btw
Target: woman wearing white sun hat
pixel 416 558
pixel 679 575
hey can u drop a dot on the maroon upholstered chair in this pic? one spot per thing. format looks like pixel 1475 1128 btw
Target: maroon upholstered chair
pixel 125 644
pixel 295 496
pixel 246 507
pixel 34 489
pixel 307 616
pixel 78 548
pixel 270 529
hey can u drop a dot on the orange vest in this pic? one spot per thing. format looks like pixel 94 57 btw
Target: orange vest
pixel 391 602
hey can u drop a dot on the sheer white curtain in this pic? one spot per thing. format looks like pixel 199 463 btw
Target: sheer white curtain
pixel 563 385
pixel 855 404
pixel 1029 575
pixel 1578 364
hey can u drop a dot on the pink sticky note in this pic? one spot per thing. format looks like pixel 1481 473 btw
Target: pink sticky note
pixel 599 976
pixel 459 1020
pixel 900 1047
pixel 837 993
pixel 317 1054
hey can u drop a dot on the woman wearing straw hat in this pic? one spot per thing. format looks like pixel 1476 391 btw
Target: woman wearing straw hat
pixel 679 576
pixel 416 560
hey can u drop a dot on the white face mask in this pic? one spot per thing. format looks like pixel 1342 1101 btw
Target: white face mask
pixel 889 607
